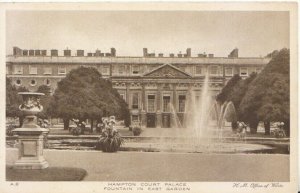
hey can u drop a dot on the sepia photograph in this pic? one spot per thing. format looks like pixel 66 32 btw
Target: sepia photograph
pixel 149 97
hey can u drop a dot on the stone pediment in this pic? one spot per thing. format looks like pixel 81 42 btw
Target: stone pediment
pixel 167 71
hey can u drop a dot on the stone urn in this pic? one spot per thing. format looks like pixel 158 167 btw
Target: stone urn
pixel 30 135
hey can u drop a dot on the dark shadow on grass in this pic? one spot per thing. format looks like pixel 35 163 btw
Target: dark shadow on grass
pixel 48 174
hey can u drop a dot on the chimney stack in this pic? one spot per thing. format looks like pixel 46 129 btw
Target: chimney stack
pixel 25 52
pixel 37 52
pixel 145 52
pixel 98 52
pixel 17 51
pixel 188 52
pixel 113 52
pixel 44 52
pixel 234 53
pixel 67 52
pixel 54 52
pixel 31 52
pixel 80 52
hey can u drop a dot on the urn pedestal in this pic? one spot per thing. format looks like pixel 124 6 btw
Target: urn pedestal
pixel 30 135
pixel 31 142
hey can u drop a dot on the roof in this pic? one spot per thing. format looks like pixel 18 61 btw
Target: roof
pixel 135 60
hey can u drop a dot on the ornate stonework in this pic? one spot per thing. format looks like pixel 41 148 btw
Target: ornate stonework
pixel 167 71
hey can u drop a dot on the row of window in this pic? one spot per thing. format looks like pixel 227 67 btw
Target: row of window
pixel 33 70
pixel 33 82
pixel 199 70
pixel 167 106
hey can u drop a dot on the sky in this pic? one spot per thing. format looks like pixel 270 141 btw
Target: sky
pixel 255 34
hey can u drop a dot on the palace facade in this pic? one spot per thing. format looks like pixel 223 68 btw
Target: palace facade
pixel 149 83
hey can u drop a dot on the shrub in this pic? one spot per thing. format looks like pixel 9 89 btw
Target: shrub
pixel 9 130
pixel 76 131
pixel 136 130
pixel 110 140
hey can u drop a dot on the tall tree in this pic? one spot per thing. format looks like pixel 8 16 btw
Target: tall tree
pixel 268 95
pixel 45 100
pixel 237 95
pixel 84 94
pixel 227 89
pixel 13 100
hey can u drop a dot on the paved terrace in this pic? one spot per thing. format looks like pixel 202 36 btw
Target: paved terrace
pixel 141 166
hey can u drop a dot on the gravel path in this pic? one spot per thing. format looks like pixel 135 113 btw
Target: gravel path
pixel 152 166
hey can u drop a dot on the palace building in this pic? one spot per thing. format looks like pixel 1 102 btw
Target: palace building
pixel 148 83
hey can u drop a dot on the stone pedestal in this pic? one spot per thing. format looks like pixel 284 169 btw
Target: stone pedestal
pixel 31 148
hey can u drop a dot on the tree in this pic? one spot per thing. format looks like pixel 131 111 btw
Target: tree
pixel 237 95
pixel 84 94
pixel 227 89
pixel 13 100
pixel 45 100
pixel 268 95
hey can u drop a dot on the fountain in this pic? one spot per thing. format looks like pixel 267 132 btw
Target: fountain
pixel 196 111
pixel 30 135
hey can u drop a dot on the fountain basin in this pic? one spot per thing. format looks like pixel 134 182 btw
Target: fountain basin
pixel 154 144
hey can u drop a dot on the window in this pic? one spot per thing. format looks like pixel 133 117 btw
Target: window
pixel 243 71
pixel 151 103
pixel 47 70
pixel 213 70
pixel 18 70
pixel 258 70
pixel 123 96
pixel 7 70
pixel 18 82
pixel 181 100
pixel 135 100
pixel 47 82
pixel 32 82
pixel 32 70
pixel 61 70
pixel 251 70
pixel 121 69
pixel 166 103
pixel 134 118
pixel 198 70
pixel 105 70
pixel 228 71
pixel 135 69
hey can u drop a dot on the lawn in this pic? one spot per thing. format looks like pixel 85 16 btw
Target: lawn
pixel 48 174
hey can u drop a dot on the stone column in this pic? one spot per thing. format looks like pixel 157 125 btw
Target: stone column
pixel 143 111
pixel 158 109
pixel 143 118
pixel 174 115
pixel 158 119
pixel 127 95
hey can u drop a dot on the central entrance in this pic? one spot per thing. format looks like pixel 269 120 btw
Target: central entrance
pixel 151 120
pixel 166 115
pixel 166 120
